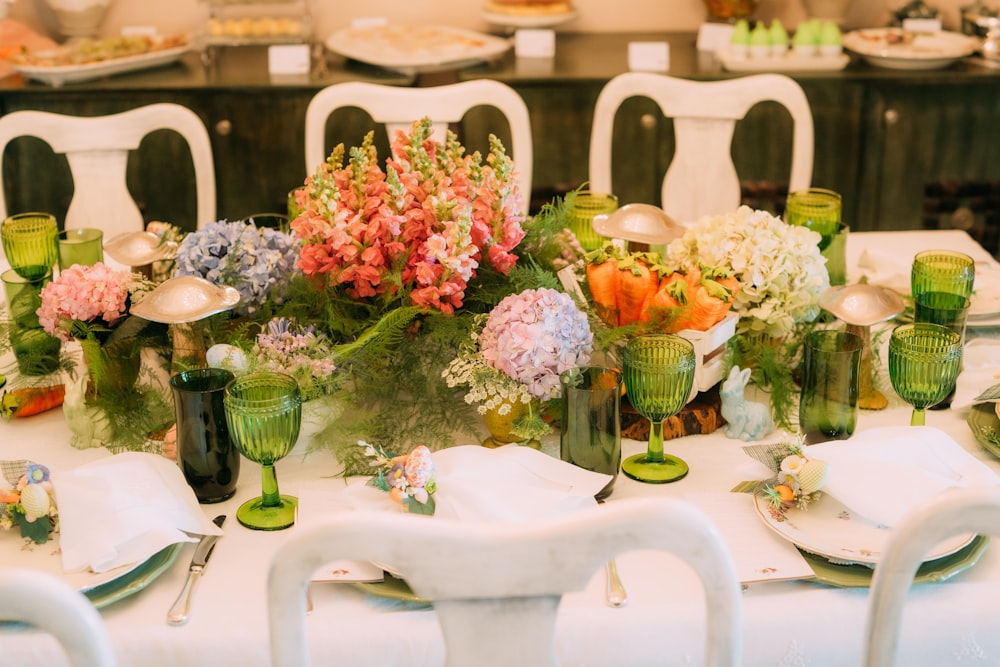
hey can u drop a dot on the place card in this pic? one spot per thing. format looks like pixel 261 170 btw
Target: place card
pixel 534 43
pixel 714 36
pixel 369 22
pixel 288 59
pixel 648 56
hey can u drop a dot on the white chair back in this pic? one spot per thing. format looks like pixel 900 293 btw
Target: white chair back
pixel 97 150
pixel 953 513
pixel 398 107
pixel 51 605
pixel 701 178
pixel 506 618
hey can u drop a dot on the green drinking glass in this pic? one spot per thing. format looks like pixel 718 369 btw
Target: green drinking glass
pixel 924 360
pixel 818 209
pixel 659 372
pixel 583 207
pixel 29 242
pixel 80 246
pixel 264 414
pixel 942 271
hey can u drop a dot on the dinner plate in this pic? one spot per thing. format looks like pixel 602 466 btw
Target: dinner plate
pixel 416 48
pixel 528 20
pixel 392 588
pixel 895 48
pixel 985 426
pixel 860 576
pixel 829 529
pixel 57 75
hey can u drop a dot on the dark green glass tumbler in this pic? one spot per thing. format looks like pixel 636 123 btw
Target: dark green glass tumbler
pixel 590 434
pixel 831 373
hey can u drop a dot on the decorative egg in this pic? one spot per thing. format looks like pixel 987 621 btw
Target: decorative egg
pixel 35 501
pixel 812 476
pixel 229 357
pixel 419 466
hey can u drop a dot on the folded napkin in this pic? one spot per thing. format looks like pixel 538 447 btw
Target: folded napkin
pixel 503 485
pixel 883 473
pixel 123 509
pixel 886 268
pixel 980 371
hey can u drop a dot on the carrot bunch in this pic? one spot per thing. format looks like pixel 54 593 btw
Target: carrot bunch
pixel 630 288
pixel 28 401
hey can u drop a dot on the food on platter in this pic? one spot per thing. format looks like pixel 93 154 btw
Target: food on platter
pixel 89 51
pixel 256 27
pixel 528 7
pixel 17 39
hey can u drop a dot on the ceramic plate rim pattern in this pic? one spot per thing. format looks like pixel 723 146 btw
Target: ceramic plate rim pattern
pixel 56 75
pixel 982 420
pixel 953 46
pixel 829 518
pixel 343 43
pixel 860 576
pixel 136 579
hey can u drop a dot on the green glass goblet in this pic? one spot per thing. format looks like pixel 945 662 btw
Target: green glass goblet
pixel 924 360
pixel 942 271
pixel 264 414
pixel 659 373
pixel 29 242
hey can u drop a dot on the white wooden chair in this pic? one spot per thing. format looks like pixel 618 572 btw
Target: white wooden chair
pixel 397 107
pixel 97 150
pixel 50 605
pixel 701 178
pixel 956 512
pixel 506 618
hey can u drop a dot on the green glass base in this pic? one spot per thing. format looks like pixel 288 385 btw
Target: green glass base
pixel 641 469
pixel 253 514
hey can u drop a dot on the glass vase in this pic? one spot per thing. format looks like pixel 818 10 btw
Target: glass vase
pixel 112 371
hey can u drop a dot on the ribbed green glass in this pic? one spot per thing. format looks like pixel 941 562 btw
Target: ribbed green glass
pixel 924 360
pixel 29 242
pixel 942 271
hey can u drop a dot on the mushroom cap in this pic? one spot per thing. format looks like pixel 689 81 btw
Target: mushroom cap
pixel 862 304
pixel 185 299
pixel 642 223
pixel 139 248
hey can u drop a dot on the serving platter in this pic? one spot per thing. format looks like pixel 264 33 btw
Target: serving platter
pixel 57 75
pixel 528 20
pixel 413 49
pixel 894 48
pixel 829 529
pixel 790 62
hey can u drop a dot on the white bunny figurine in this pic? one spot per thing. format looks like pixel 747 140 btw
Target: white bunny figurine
pixel 746 420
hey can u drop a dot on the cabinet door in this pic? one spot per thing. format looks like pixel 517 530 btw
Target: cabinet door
pixel 918 135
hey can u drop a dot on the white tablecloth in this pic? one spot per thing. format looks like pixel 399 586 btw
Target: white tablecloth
pixel 786 623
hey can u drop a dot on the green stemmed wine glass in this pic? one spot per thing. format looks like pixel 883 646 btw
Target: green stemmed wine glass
pixel 659 372
pixel 924 360
pixel 29 242
pixel 264 413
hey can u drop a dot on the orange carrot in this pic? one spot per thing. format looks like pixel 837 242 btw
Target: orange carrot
pixel 28 401
pixel 602 278
pixel 637 282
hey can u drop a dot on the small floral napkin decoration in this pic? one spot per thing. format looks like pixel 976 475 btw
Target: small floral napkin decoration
pixel 28 503
pixel 408 478
pixel 797 479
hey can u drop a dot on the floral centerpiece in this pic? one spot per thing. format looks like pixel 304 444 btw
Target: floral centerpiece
pixel 107 404
pixel 781 276
pixel 397 259
pixel 515 359
pixel 798 480
pixel 28 502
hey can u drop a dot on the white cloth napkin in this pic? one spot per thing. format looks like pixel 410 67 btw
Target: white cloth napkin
pixel 980 371
pixel 503 485
pixel 123 509
pixel 883 473
pixel 886 268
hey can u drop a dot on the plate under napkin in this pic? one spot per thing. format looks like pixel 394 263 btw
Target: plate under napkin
pixel 123 509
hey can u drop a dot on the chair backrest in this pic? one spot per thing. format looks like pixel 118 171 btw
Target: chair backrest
pixel 97 150
pixel 956 512
pixel 701 178
pixel 50 605
pixel 531 566
pixel 398 107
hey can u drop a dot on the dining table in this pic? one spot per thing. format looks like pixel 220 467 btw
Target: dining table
pixel 804 620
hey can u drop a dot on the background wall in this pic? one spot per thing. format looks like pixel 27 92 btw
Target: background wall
pixel 171 16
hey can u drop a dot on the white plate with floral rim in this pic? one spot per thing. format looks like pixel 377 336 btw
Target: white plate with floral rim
pixel 895 48
pixel 829 529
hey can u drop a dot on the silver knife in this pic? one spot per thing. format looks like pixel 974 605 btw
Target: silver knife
pixel 178 614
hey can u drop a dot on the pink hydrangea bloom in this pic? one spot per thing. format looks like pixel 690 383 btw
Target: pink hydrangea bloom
pixel 90 294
